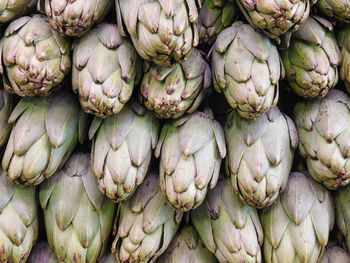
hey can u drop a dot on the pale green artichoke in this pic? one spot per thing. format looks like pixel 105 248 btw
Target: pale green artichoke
pixel 108 259
pixel 187 247
pixel 12 9
pixel 122 150
pixel 34 57
pixel 106 68
pixel 42 253
pixel 344 44
pixel 145 224
pixel 312 58
pixel 191 150
pixel 45 132
pixel 78 217
pixel 173 91
pixel 162 31
pixel 324 131
pixel 229 228
pixel 297 226
pixel 338 9
pixel 260 155
pixel 74 18
pixel 19 227
pixel 335 254
pixel 247 69
pixel 215 16
pixel 5 112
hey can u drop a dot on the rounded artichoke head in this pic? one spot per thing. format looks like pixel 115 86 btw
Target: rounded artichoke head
pixel 247 69
pixel 187 247
pixel 145 224
pixel 122 150
pixel 297 226
pixel 191 150
pixel 42 253
pixel 344 44
pixel 45 131
pixel 324 130
pixel 260 155
pixel 173 91
pixel 78 217
pixel 337 9
pixel 75 18
pixel 229 228
pixel 335 254
pixel 12 9
pixel 162 31
pixel 311 60
pixel 19 227
pixel 6 107
pixel 106 67
pixel 34 57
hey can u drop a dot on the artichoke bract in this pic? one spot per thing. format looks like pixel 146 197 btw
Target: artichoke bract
pixel 215 16
pixel 106 67
pixel 324 130
pixel 312 58
pixel 297 226
pixel 191 150
pixel 338 9
pixel 34 57
pixel 5 112
pixel 260 155
pixel 187 247
pixel 122 150
pixel 275 18
pixel 78 217
pixel 335 254
pixel 44 133
pixel 12 9
pixel 75 18
pixel 229 228
pixel 19 227
pixel 145 224
pixel 247 69
pixel 173 91
pixel 344 44
pixel 42 253
pixel 108 259
pixel 162 31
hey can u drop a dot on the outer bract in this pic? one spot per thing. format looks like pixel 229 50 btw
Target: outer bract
pixel 122 150
pixel 229 228
pixel 35 58
pixel 11 9
pixel 324 130
pixel 162 31
pixel 297 226
pixel 187 247
pixel 311 59
pixel 247 69
pixel 344 44
pixel 260 155
pixel 42 253
pixel 106 68
pixel 145 224
pixel 75 17
pixel 335 254
pixel 19 227
pixel 45 132
pixel 5 112
pixel 338 9
pixel 172 91
pixel 215 16
pixel 78 217
pixel 191 150
pixel 275 18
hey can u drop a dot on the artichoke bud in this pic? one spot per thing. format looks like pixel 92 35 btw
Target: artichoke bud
pixel 335 254
pixel 336 9
pixel 12 9
pixel 344 44
pixel 42 253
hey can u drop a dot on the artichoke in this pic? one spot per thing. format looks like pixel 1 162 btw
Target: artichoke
pixel 260 155
pixel 229 228
pixel 191 150
pixel 297 226
pixel 215 16
pixel 335 254
pixel 108 259
pixel 12 9
pixel 145 224
pixel 5 112
pixel 187 247
pixel 247 69
pixel 74 18
pixel 19 227
pixel 35 58
pixel 122 150
pixel 78 217
pixel 324 130
pixel 172 91
pixel 311 59
pixel 162 31
pixel 42 253
pixel 275 18
pixel 344 44
pixel 45 132
pixel 338 9
pixel 106 68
